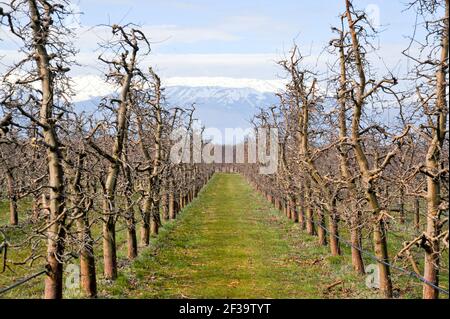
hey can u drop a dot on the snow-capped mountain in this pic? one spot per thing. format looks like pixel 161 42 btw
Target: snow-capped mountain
pixel 221 107
pixel 218 95
pixel 218 107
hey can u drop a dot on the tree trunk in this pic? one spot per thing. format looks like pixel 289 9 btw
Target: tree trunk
pixel 145 228
pixel 321 229
pixel 343 150
pixel 334 231
pixel 379 238
pixel 301 210
pixel 432 163
pixel 401 206
pixel 310 227
pixel 87 259
pixel 278 204
pixel 380 247
pixel 56 232
pixel 109 226
pixel 165 207
pixel 172 208
pixel 13 214
pixel 355 237
pixel 155 220
pixel 176 207
pixel 432 255
pixel 109 202
pixel 417 214
pixel 286 210
pixel 181 201
pixel 132 247
pixel 293 209
pixel 109 249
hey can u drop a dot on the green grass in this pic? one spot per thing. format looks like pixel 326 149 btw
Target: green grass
pixel 16 235
pixel 228 243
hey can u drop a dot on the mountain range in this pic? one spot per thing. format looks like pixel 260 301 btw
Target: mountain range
pixel 221 107
pixel 218 107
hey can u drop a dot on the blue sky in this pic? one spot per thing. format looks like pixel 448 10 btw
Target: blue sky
pixel 242 38
pixel 245 26
pixel 228 43
pixel 216 26
pixel 233 39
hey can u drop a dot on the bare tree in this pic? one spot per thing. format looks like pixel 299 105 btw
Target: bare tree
pixel 431 80
pixel 123 66
pixel 40 26
pixel 344 148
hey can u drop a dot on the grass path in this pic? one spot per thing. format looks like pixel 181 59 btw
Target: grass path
pixel 230 243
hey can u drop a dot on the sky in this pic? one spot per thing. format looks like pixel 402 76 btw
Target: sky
pixel 233 41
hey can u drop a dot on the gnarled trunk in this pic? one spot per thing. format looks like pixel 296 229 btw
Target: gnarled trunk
pixel 172 208
pixel 109 249
pixel 57 211
pixel 13 214
pixel 145 228
pixel 355 239
pixel 321 232
pixel 87 258
pixel 333 229
pixel 432 163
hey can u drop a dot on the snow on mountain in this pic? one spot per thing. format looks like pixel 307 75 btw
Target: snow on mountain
pixel 87 86
pixel 226 97
pixel 221 107
pixel 229 106
pixel 220 102
pixel 216 106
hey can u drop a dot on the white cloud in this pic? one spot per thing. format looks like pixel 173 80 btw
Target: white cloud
pixel 173 33
pixel 251 65
pixel 260 85
pixel 215 58
pixel 228 29
pixel 89 37
pixel 233 65
pixel 259 24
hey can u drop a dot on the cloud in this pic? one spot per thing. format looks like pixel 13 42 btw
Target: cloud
pixel 90 37
pixel 176 34
pixel 227 29
pixel 226 59
pixel 89 86
pixel 234 65
pixel 254 23
pixel 272 85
